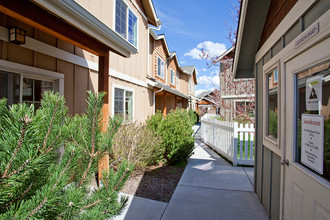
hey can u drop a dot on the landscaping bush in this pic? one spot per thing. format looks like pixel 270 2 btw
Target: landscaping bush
pixel 272 123
pixel 176 130
pixel 193 116
pixel 138 144
pixel 154 121
pixel 36 183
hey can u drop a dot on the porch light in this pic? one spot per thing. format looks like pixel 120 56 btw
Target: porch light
pixel 17 35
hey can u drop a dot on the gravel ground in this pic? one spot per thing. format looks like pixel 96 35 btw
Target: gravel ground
pixel 156 182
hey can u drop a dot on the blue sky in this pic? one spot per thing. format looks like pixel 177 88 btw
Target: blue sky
pixel 189 25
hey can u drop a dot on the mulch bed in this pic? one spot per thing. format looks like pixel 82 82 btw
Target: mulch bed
pixel 156 182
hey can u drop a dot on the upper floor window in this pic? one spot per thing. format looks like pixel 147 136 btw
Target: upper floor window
pixel 177 79
pixel 172 77
pixel 126 22
pixel 160 68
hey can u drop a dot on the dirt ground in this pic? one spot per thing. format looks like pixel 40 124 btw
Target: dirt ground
pixel 156 182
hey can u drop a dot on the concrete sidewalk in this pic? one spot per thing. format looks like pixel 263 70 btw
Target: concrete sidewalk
pixel 210 188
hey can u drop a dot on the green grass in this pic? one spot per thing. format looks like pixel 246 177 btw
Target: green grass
pixel 243 147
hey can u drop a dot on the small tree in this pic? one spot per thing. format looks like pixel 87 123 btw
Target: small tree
pixel 36 182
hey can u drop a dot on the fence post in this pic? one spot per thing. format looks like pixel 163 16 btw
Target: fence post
pixel 235 139
pixel 213 134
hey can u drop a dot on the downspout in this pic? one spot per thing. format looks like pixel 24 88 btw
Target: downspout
pixel 154 98
pixel 148 58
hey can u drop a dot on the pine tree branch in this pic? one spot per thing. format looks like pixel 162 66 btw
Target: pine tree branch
pixel 75 142
pixel 20 168
pixel 52 145
pixel 83 136
pixel 20 196
pixel 120 180
pixel 90 205
pixel 86 171
pixel 19 145
pixel 63 171
pixel 36 209
pixel 93 130
pixel 50 125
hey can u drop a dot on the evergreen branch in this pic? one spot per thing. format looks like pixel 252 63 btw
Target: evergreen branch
pixel 82 134
pixel 20 196
pixel 52 145
pixel 90 205
pixel 120 180
pixel 20 168
pixel 19 145
pixel 86 171
pixel 51 124
pixel 36 209
pixel 63 171
pixel 75 142
pixel 93 131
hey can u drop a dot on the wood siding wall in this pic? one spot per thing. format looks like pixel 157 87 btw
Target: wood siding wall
pixel 278 9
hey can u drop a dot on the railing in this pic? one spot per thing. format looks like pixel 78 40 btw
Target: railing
pixel 234 141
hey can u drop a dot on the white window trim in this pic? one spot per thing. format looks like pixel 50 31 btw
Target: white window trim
pixel 33 73
pixel 127 20
pixel 269 142
pixel 158 57
pixel 125 88
pixel 174 77
pixel 240 100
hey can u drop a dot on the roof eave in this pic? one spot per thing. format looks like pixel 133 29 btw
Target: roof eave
pixel 252 17
pixel 79 17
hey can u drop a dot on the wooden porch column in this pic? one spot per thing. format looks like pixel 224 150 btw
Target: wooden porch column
pixel 164 110
pixel 103 86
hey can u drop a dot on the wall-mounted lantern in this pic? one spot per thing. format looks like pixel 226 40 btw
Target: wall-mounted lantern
pixel 17 35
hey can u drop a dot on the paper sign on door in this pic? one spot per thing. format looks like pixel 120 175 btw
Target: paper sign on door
pixel 312 141
pixel 314 93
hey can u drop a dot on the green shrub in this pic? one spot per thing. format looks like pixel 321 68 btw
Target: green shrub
pixel 154 121
pixel 137 144
pixel 176 130
pixel 193 116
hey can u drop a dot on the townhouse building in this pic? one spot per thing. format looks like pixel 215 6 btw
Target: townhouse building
pixel 285 46
pixel 173 85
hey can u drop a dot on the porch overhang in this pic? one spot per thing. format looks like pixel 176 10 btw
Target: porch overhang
pixel 251 22
pixel 69 21
pixel 166 88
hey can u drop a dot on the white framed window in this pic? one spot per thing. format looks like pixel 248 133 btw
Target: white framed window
pixel 177 79
pixel 160 67
pixel 123 102
pixel 25 84
pixel 172 77
pixel 244 107
pixel 126 22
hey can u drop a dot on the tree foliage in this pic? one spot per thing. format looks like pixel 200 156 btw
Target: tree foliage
pixel 48 160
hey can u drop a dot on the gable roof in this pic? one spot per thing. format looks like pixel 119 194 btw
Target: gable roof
pixel 250 25
pixel 203 94
pixel 151 12
pixel 190 70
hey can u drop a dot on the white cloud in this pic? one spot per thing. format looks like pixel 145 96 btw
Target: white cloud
pixel 211 48
pixel 182 62
pixel 204 70
pixel 209 81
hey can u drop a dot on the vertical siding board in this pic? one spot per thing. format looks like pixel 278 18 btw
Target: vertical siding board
pixel 266 179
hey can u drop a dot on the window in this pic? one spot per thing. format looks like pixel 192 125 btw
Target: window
pixel 172 77
pixel 244 107
pixel 123 103
pixel 177 79
pixel 126 22
pixel 160 68
pixel 312 120
pixel 189 84
pixel 272 105
pixel 30 91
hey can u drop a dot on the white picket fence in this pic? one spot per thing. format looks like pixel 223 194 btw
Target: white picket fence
pixel 234 141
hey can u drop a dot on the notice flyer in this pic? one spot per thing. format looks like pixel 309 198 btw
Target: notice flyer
pixel 312 141
pixel 314 93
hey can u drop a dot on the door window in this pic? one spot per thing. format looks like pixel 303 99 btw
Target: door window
pixel 272 104
pixel 312 121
